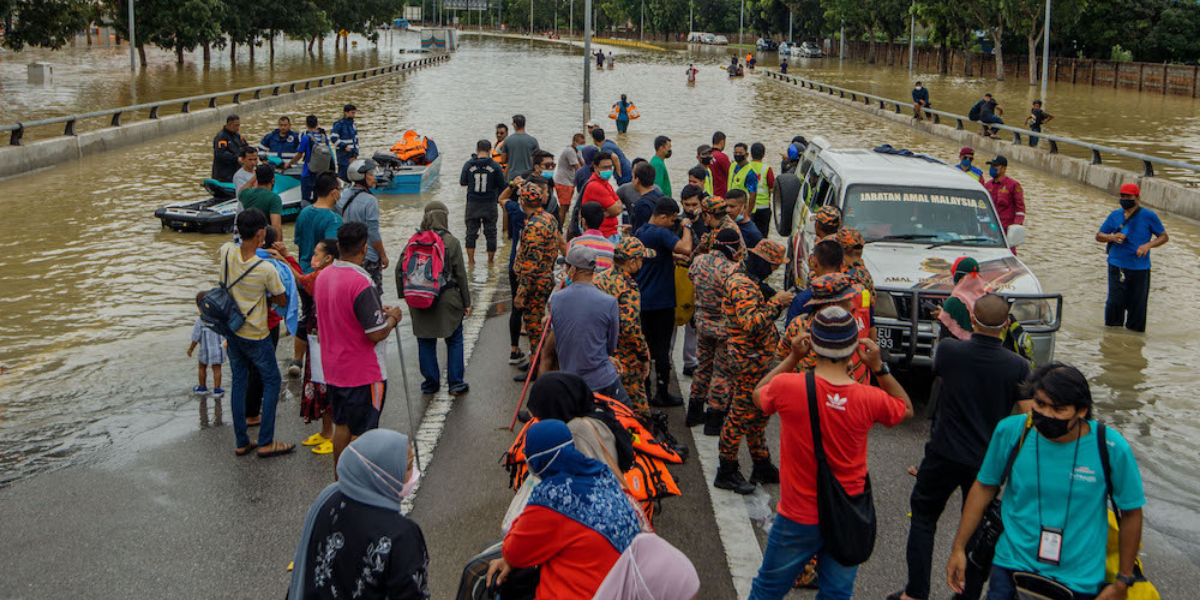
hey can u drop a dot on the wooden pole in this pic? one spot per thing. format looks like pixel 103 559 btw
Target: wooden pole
pixel 1165 82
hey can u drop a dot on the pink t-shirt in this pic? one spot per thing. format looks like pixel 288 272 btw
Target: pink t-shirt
pixel 847 413
pixel 348 308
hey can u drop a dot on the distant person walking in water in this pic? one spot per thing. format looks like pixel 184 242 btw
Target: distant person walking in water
pixel 783 66
pixel 920 97
pixel 1036 119
pixel 691 73
pixel 1130 232
pixel 622 113
pixel 599 59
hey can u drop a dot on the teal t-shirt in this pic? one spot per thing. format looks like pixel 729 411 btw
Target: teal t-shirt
pixel 262 199
pixel 1085 530
pixel 313 225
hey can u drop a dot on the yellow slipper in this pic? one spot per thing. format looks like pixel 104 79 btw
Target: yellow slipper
pixel 316 440
pixel 324 448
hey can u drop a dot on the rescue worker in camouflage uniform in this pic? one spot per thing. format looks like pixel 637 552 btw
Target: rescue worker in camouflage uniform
pixel 632 351
pixel 717 219
pixel 751 354
pixel 710 384
pixel 534 264
pixel 826 224
pixel 832 289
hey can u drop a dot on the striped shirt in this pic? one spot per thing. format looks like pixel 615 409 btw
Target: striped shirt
pixel 595 240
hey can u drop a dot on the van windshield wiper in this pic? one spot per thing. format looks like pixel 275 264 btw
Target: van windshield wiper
pixel 907 236
pixel 967 240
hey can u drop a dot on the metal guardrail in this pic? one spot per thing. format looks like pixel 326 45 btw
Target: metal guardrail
pixel 289 87
pixel 1053 141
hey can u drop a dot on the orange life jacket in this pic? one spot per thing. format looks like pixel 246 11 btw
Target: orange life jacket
pixel 498 152
pixel 411 147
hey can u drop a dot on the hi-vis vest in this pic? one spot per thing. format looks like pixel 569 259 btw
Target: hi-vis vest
pixel 764 192
pixel 737 177
pixel 708 180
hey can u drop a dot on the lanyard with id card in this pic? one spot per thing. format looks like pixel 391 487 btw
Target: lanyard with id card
pixel 1050 542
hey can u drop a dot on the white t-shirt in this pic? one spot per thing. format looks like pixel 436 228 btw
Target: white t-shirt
pixel 241 178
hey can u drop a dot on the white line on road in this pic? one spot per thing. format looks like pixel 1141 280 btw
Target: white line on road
pixel 733 519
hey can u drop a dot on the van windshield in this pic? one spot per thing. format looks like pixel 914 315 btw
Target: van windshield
pixel 922 215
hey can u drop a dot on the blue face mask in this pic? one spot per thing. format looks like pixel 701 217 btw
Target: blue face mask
pixel 994 172
pixel 966 163
pixel 548 174
pixel 581 147
pixel 606 174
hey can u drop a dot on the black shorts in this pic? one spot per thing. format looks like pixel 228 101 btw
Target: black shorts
pixel 357 407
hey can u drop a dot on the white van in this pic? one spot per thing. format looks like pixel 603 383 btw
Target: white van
pixel 917 217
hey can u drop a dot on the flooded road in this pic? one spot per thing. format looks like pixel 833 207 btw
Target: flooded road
pixel 96 301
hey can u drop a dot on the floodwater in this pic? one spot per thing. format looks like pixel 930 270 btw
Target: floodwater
pixel 96 301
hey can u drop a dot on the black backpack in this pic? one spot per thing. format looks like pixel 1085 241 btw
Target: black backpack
pixel 219 310
pixel 976 111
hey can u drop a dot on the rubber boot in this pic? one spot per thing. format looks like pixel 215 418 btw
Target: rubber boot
pixel 664 398
pixel 764 472
pixel 695 413
pixel 714 420
pixel 729 477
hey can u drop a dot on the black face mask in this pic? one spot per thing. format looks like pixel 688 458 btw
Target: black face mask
pixel 739 157
pixel 1049 427
pixel 757 267
pixel 704 160
pixel 1128 203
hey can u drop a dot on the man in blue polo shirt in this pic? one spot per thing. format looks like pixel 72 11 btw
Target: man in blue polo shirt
pixel 1130 232
pixel 309 142
pixel 656 279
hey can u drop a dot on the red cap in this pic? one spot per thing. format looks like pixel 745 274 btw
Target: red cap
pixel 966 151
pixel 1131 189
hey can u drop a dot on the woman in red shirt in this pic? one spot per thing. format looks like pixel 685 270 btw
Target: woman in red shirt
pixel 577 523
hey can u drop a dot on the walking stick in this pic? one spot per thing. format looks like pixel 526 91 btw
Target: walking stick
pixel 533 365
pixel 412 437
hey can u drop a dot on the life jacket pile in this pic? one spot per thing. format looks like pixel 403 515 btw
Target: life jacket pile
pixel 411 148
pixel 648 481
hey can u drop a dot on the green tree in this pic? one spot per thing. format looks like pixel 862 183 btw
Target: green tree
pixel 949 22
pixel 1028 17
pixel 181 25
pixel 989 16
pixel 44 23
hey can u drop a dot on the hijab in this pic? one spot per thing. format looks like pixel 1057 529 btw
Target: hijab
pixel 566 396
pixel 371 471
pixel 437 217
pixel 650 569
pixel 577 487
pixel 968 288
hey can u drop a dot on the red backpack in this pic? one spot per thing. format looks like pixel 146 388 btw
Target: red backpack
pixel 422 264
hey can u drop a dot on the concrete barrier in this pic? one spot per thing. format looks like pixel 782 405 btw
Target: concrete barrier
pixel 17 160
pixel 1158 193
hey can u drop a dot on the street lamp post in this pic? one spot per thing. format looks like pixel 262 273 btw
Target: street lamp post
pixel 132 39
pixel 912 34
pixel 742 22
pixel 587 63
pixel 642 27
pixel 791 15
pixel 531 19
pixel 571 21
pixel 1046 53
pixel 842 49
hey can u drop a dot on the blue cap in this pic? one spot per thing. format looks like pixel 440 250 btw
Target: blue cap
pixel 793 152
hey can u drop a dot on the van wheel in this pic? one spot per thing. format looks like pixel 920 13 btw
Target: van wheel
pixel 787 191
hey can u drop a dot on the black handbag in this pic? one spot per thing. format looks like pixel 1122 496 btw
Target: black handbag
pixel 847 523
pixel 981 548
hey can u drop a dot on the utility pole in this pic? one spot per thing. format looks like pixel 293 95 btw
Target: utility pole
pixel 691 17
pixel 571 22
pixel 742 22
pixel 791 15
pixel 912 34
pixel 531 19
pixel 587 64
pixel 1046 54
pixel 842 49
pixel 132 40
pixel 642 27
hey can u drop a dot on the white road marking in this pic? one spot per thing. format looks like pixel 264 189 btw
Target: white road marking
pixel 733 519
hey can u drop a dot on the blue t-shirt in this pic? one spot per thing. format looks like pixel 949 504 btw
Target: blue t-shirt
pixel 307 141
pixel 750 233
pixel 626 168
pixel 656 278
pixel 1144 226
pixel 313 225
pixel 644 209
pixel 797 307
pixel 585 323
pixel 516 224
pixel 1085 529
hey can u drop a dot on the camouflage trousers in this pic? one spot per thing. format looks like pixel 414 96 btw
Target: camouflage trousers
pixel 635 385
pixel 744 419
pixel 534 313
pixel 711 382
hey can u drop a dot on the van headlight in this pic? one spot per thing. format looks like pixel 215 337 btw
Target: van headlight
pixel 885 306
pixel 1033 311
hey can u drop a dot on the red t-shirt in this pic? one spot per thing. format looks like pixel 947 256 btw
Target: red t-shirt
pixel 720 173
pixel 598 190
pixel 847 413
pixel 574 558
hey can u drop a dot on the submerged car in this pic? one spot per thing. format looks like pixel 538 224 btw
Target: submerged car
pixel 720 40
pixel 917 217
pixel 766 44
pixel 809 50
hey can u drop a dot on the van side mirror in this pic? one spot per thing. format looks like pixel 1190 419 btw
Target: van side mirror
pixel 1016 235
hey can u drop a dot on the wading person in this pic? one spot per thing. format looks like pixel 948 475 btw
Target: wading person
pixel 357 521
pixel 257 283
pixel 228 145
pixel 1007 195
pixel 656 279
pixel 632 351
pixel 518 149
pixel 243 179
pixel 358 205
pixel 662 151
pixel 354 329
pixel 709 396
pixel 846 411
pixel 621 108
pixel 484 179
pixel 345 138
pixel 766 183
pixel 1130 232
pixel 534 265
pixel 920 98
pixel 980 384
pixel 750 350
pixel 1056 495
pixel 313 143
pixel 741 176
pixel 443 320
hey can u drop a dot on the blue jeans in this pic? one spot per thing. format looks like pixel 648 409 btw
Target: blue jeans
pixel 261 354
pixel 617 392
pixel 427 354
pixel 790 545
pixel 1000 586
pixel 307 183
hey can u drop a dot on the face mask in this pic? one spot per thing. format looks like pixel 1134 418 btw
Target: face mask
pixel 690 215
pixel 606 174
pixel 918 87
pixel 704 160
pixel 739 157
pixel 555 450
pixel 966 163
pixel 410 486
pixel 548 174
pixel 1128 203
pixel 668 154
pixel 1049 427
pixel 994 172
pixel 580 147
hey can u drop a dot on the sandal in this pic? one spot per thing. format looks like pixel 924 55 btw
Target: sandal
pixel 244 450
pixel 276 449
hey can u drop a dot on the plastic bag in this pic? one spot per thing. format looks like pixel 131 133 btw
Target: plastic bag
pixel 758 506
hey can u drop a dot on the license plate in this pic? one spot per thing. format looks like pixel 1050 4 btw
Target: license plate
pixel 886 339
